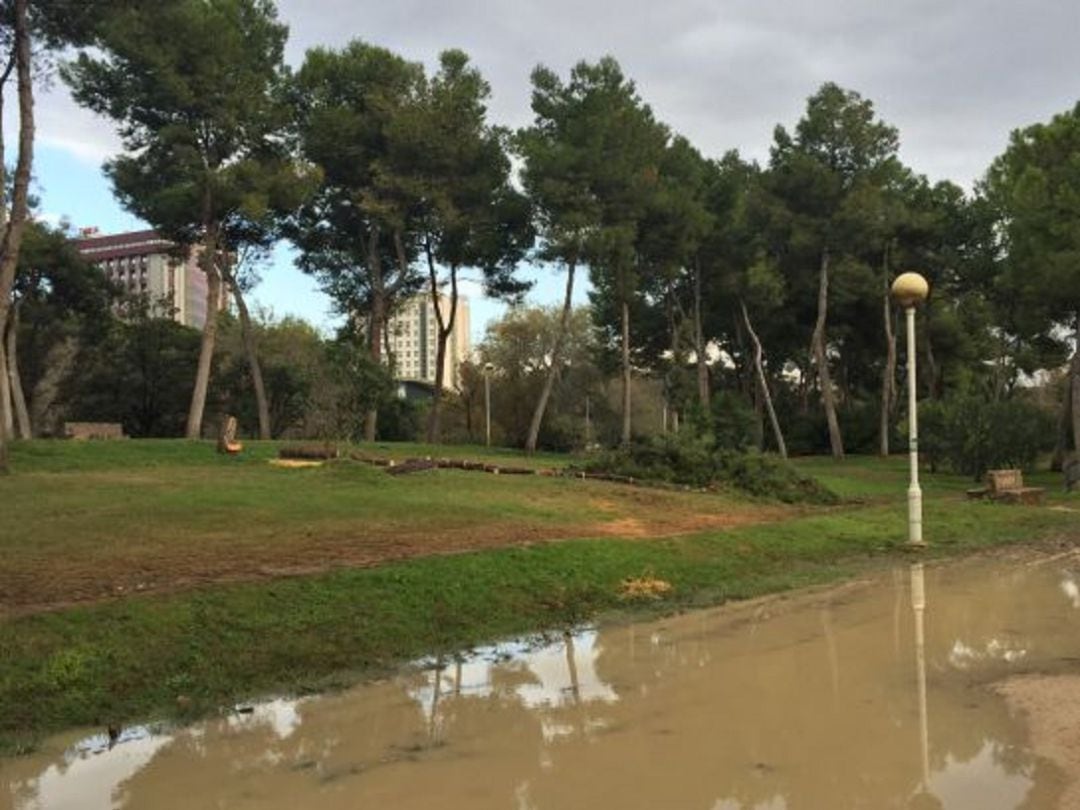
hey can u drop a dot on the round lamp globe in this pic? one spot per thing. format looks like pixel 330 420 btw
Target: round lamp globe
pixel 910 289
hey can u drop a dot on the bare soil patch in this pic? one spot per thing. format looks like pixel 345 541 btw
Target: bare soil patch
pixel 52 581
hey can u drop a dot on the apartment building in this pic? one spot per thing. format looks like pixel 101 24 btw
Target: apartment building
pixel 412 334
pixel 146 264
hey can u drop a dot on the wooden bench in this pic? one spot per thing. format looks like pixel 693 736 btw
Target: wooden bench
pixel 93 430
pixel 1007 486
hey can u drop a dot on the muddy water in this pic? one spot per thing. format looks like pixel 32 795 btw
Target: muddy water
pixel 890 693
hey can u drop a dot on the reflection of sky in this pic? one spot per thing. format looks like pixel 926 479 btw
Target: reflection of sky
pixel 92 776
pixel 1071 590
pixel 963 656
pixel 280 715
pixel 979 782
pixel 547 681
pixel 775 803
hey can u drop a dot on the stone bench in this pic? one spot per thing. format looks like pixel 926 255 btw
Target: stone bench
pixel 1007 486
pixel 93 430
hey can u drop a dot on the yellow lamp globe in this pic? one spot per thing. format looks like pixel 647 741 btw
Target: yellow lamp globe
pixel 910 289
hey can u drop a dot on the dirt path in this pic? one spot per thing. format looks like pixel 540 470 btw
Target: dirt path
pixel 52 582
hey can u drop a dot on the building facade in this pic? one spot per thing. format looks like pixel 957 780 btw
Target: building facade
pixel 144 264
pixel 412 335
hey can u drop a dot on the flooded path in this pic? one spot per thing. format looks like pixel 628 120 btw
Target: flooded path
pixel 957 687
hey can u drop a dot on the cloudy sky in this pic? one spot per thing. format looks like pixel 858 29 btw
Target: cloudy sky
pixel 955 76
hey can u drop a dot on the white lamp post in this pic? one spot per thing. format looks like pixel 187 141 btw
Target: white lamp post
pixel 488 368
pixel 909 290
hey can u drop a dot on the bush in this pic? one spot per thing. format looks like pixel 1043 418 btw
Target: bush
pixel 972 435
pixel 698 463
pixel 735 425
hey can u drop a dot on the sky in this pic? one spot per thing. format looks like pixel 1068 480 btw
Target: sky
pixel 955 77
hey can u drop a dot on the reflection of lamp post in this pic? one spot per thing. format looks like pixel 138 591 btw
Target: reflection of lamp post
pixel 488 368
pixel 923 799
pixel 909 290
pixel 918 605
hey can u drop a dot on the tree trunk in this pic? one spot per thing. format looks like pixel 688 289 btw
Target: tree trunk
pixel 445 327
pixel 626 396
pixel 818 347
pixel 58 364
pixel 378 322
pixel 888 380
pixel 699 343
pixel 763 384
pixel 1064 428
pixel 375 322
pixel 556 359
pixel 209 333
pixel 18 398
pixel 7 415
pixel 933 375
pixel 676 361
pixel 252 352
pixel 12 237
pixel 1074 373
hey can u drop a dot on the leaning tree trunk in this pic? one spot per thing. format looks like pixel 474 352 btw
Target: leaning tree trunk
pixel 247 334
pixel 556 358
pixel 699 343
pixel 18 398
pixel 7 415
pixel 626 395
pixel 209 334
pixel 12 237
pixel 888 380
pixel 818 343
pixel 763 384
pixel 445 327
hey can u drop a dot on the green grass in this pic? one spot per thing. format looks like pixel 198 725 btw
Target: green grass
pixel 68 456
pixel 133 658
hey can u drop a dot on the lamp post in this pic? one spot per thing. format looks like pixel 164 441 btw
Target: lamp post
pixel 909 290
pixel 488 368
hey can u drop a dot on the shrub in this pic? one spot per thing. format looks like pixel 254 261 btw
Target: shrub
pixel 972 435
pixel 698 463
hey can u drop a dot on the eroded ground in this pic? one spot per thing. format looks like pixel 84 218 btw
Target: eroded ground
pixel 82 537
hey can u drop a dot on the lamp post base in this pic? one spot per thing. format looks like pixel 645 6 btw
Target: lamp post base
pixel 915 537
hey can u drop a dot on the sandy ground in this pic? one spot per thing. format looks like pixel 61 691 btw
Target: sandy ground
pixel 1050 705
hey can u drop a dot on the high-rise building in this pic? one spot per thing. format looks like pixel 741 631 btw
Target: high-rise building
pixel 412 336
pixel 146 264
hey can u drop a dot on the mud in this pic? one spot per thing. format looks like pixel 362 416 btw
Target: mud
pixel 953 687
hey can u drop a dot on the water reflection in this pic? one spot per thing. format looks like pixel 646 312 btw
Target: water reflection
pixel 791 704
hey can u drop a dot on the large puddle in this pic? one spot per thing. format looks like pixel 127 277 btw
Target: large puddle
pixel 912 689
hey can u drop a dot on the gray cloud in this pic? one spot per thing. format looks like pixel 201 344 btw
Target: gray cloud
pixel 954 76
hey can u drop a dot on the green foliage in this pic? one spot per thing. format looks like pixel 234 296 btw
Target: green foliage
pixel 138 374
pixel 520 346
pixel 734 422
pixel 194 90
pixel 698 463
pixel 401 420
pixel 972 435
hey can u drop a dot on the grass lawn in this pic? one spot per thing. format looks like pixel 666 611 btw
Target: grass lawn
pixel 137 573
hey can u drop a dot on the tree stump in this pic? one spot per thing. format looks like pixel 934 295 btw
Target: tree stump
pixel 227 442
